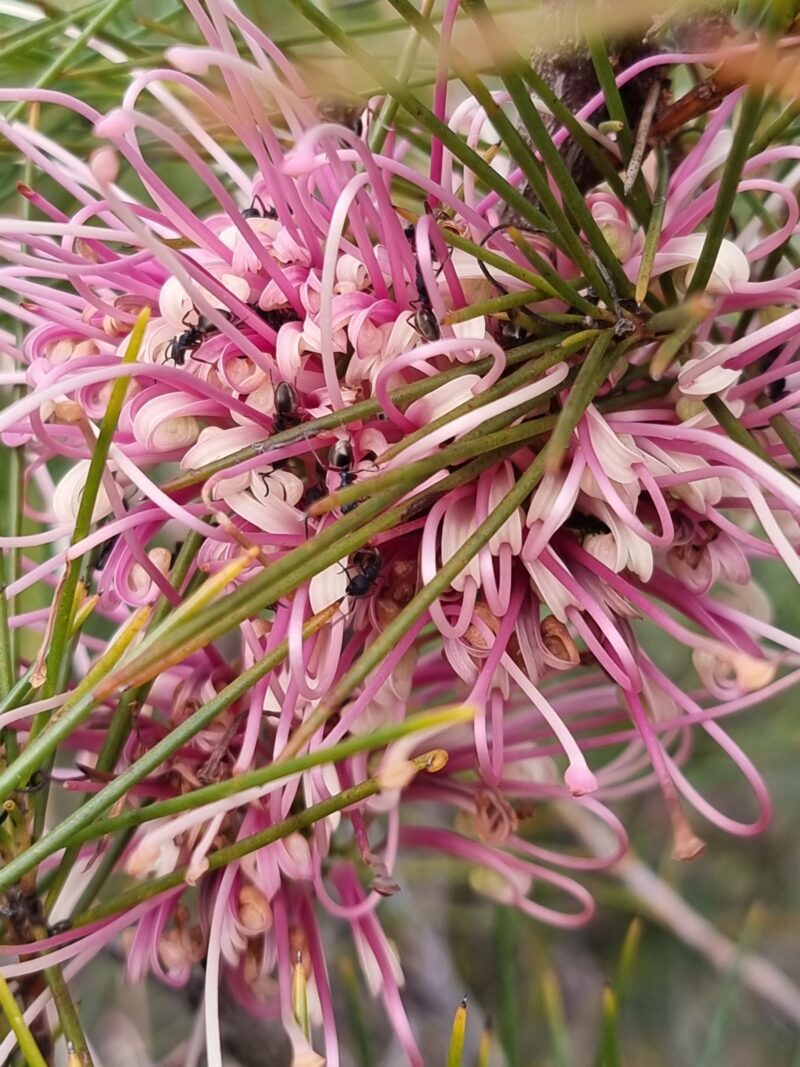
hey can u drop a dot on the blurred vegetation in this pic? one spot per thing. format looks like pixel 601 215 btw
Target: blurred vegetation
pixel 557 998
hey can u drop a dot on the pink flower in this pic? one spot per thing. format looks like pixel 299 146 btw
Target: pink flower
pixel 300 343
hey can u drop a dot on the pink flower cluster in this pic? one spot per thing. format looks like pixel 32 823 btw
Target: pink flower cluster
pixel 305 291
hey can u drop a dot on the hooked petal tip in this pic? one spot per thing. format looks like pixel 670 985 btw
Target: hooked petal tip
pixel 189 60
pixel 579 780
pixel 115 124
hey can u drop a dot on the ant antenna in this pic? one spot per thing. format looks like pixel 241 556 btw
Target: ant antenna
pixel 540 321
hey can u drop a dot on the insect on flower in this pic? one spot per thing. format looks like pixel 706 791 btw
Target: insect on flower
pixel 369 563
pixel 343 112
pixel 259 210
pixel 424 318
pixel 287 414
pixel 186 343
pixel 341 460
pixel 514 586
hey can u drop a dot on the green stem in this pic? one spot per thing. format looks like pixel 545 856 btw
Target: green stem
pixel 395 630
pixel 502 388
pixel 553 214
pixel 493 306
pixel 687 318
pixel 119 728
pixel 606 77
pixel 61 835
pixel 65 604
pixel 554 1015
pixel 590 148
pixel 592 374
pixel 486 439
pixel 25 1039
pixel 483 171
pixel 734 429
pixel 563 288
pixel 68 1017
pixel 774 130
pixel 553 161
pixel 71 714
pixel 549 282
pixel 390 106
pixel 653 235
pixel 103 869
pixel 422 722
pixel 608 83
pixel 728 186
pixel 41 798
pixel 18 693
pixel 788 435
pixel 63 59
pixel 506 933
pixel 174 641
pixel 230 853
pixel 13 464
pixel 361 1048
pixel 13 494
pixel 122 720
pixel 365 409
pixel 609 1051
pixel 6 653
pixel 27 36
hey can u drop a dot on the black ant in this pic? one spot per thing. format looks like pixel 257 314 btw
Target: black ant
pixel 369 562
pixel 334 109
pixel 776 389
pixel 512 333
pixel 22 909
pixel 192 337
pixel 316 491
pixel 586 524
pixel 424 318
pixel 259 210
pixel 287 415
pixel 341 459
pixel 275 317
pixel 106 548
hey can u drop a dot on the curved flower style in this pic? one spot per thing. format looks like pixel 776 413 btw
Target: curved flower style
pixel 404 493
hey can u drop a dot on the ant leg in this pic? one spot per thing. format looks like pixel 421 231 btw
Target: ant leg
pixel 538 319
pixel 623 327
pixel 37 781
pixel 206 362
pixel 445 261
